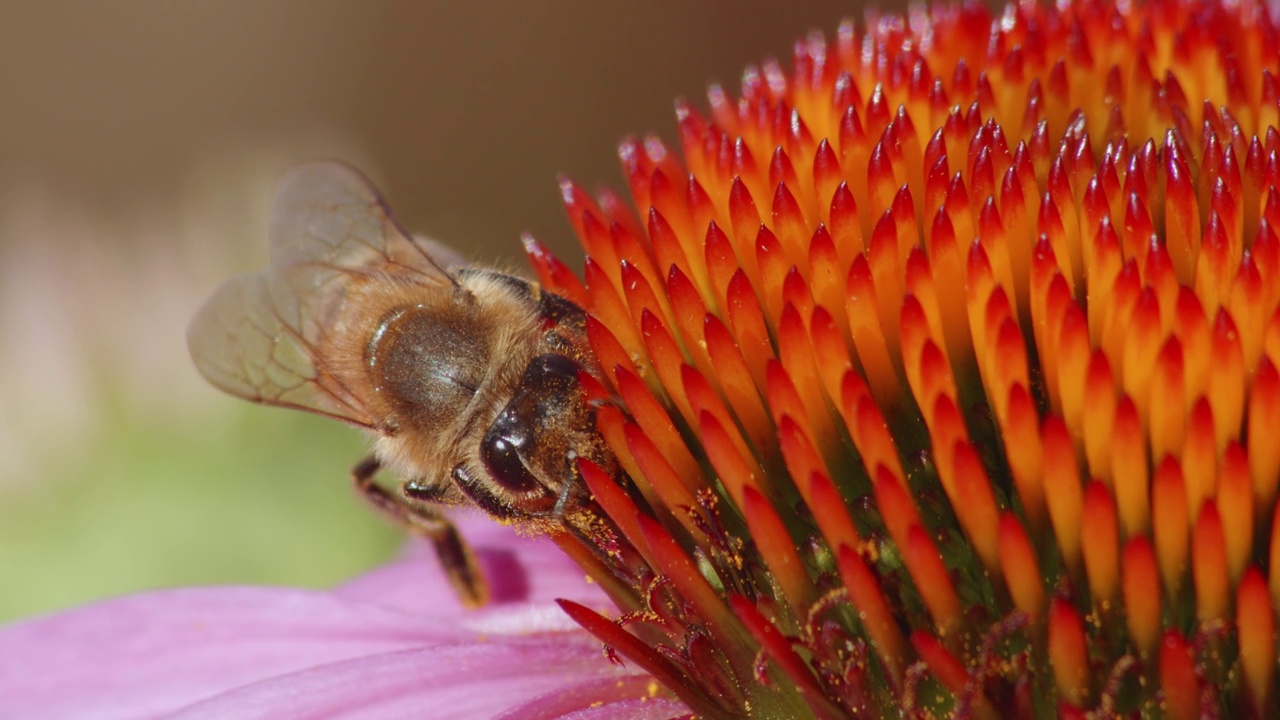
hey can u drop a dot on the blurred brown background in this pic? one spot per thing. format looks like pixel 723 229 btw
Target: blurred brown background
pixel 139 144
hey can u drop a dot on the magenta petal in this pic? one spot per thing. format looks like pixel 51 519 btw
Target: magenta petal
pixel 145 654
pixel 393 643
pixel 632 697
pixel 520 569
pixel 462 681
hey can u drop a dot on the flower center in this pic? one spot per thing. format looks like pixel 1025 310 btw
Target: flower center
pixel 944 372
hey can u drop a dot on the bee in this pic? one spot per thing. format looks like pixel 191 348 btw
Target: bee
pixel 469 381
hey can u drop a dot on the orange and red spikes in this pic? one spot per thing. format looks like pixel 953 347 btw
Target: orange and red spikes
pixel 1065 244
pixel 945 666
pixel 975 506
pixel 1226 391
pixel 1068 652
pixel 650 415
pixel 1170 527
pixel 1140 584
pixel 1264 418
pixel 736 382
pixel 1025 455
pixel 1063 493
pixel 1181 215
pixel 1178 677
pixel 796 379
pixel 1074 358
pixel 608 307
pixel 1129 473
pixel 778 550
pixel 1167 415
pixel 1256 624
pixel 827 273
pixel 1100 544
pixel 613 499
pixel 779 649
pixel 867 427
pixel 1018 561
pixel 1209 565
pixel 747 323
pixel 829 511
pixel 725 450
pixel 929 574
pixel 830 351
pixel 1235 501
pixel 667 486
pixel 663 670
pixel 862 310
pixel 1199 457
pixel 874 610
pixel 1098 416
pixel 801 457
pixel 684 574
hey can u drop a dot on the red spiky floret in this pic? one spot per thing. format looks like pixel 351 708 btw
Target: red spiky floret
pixel 944 372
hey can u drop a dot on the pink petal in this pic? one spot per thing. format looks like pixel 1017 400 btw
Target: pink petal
pixel 395 640
pixel 519 569
pixel 149 653
pixel 463 681
pixel 526 576
pixel 633 697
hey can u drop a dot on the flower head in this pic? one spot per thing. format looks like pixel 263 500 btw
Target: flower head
pixel 947 368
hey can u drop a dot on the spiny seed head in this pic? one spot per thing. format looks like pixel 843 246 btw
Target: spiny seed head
pixel 942 372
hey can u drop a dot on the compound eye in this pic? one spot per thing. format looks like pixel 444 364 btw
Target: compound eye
pixel 501 456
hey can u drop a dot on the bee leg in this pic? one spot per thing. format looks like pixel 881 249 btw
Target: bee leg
pixel 480 495
pixel 455 556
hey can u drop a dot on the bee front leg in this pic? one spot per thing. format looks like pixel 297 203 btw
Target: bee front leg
pixel 455 556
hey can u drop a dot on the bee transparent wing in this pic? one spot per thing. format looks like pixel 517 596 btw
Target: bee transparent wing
pixel 243 345
pixel 328 213
pixel 265 337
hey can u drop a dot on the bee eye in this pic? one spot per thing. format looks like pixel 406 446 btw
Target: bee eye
pixel 545 390
pixel 500 453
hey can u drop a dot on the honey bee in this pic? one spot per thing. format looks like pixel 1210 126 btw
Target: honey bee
pixel 468 380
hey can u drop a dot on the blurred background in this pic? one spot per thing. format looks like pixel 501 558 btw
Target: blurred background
pixel 139 146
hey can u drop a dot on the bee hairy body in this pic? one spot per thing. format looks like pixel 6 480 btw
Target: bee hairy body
pixel 469 380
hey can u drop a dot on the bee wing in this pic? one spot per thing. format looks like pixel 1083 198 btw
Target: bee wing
pixel 328 213
pixel 263 337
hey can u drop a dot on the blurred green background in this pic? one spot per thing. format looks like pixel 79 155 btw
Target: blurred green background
pixel 139 145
